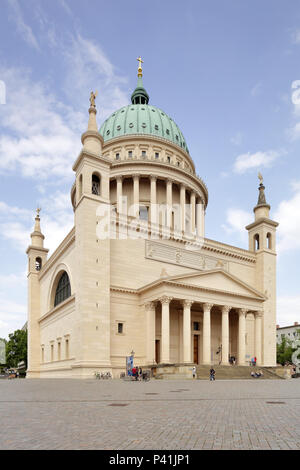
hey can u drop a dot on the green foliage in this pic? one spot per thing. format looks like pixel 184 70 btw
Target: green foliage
pixel 284 351
pixel 16 348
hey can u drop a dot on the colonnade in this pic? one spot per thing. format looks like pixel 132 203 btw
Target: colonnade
pixel 196 207
pixel 150 309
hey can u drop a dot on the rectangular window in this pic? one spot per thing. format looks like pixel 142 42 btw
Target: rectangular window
pixel 120 328
pixel 117 156
pixel 156 155
pixel 130 153
pixel 67 349
pixel 52 352
pixel 144 153
pixel 43 355
pixel 196 326
pixel 169 159
pixel 58 351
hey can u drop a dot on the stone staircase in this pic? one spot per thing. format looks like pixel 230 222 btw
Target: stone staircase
pixel 236 372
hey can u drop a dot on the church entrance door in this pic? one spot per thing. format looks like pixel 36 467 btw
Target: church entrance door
pixel 196 349
pixel 157 351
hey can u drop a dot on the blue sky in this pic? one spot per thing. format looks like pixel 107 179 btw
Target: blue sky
pixel 223 70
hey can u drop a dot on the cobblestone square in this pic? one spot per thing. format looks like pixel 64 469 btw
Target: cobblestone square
pixel 117 415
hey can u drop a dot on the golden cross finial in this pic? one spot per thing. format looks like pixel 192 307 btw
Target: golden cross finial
pixel 139 59
pixel 260 177
pixel 38 210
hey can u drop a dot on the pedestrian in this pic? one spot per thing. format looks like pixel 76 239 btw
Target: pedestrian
pixel 194 372
pixel 140 373
pixel 212 373
pixel 136 374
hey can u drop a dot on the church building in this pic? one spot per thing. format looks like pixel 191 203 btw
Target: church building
pixel 136 272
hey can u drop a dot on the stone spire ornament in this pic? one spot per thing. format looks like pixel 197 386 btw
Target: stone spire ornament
pixel 37 238
pixel 92 140
pixel 262 208
pixel 261 196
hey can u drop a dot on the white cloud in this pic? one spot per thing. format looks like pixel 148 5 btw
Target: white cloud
pixel 89 69
pixel 236 221
pixel 237 139
pixel 288 215
pixel 250 161
pixel 57 219
pixel 256 90
pixel 42 137
pixel 23 29
pixel 288 310
pixel 12 315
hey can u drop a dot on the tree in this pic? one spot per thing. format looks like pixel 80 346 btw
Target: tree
pixel 284 351
pixel 16 348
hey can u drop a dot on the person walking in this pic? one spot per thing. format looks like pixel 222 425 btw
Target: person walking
pixel 212 373
pixel 194 372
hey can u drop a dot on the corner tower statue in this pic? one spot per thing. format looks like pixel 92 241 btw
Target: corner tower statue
pixel 136 271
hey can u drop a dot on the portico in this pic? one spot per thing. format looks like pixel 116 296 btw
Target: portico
pixel 188 323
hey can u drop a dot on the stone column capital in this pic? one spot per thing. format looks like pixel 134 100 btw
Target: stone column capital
pixel 207 306
pixel 150 305
pixel 165 299
pixel 153 178
pixel 136 176
pixel 226 308
pixel 258 314
pixel 242 312
pixel 187 303
pixel 119 179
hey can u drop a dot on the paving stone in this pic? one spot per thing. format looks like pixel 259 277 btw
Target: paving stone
pixel 76 414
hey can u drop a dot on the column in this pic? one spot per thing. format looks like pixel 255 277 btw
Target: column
pixel 193 211
pixel 119 195
pixel 165 329
pixel 258 326
pixel 200 218
pixel 187 345
pixel 206 356
pixel 153 201
pixel 242 336
pixel 136 196
pixel 169 202
pixel 182 206
pixel 225 334
pixel 150 332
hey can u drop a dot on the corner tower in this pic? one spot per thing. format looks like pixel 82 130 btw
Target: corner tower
pixel 262 241
pixel 92 305
pixel 37 256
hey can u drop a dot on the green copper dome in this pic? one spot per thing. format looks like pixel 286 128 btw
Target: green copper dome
pixel 142 118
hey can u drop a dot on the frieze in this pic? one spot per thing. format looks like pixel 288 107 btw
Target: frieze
pixel 182 257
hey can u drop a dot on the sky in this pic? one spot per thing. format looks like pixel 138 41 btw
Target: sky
pixel 227 72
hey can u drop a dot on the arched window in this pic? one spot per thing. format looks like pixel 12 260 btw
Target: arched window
pixel 38 264
pixel 63 290
pixel 256 242
pixel 80 186
pixel 269 241
pixel 96 185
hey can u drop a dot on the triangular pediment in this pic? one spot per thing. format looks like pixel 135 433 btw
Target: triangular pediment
pixel 218 280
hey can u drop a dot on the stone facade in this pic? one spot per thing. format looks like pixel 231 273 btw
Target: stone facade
pixel 155 284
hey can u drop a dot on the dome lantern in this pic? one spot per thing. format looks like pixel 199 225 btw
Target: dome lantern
pixel 140 96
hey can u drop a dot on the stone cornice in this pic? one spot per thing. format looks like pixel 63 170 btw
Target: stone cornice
pixel 262 220
pixel 93 156
pixel 229 250
pixel 69 239
pixel 58 308
pixel 152 139
pixel 185 286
